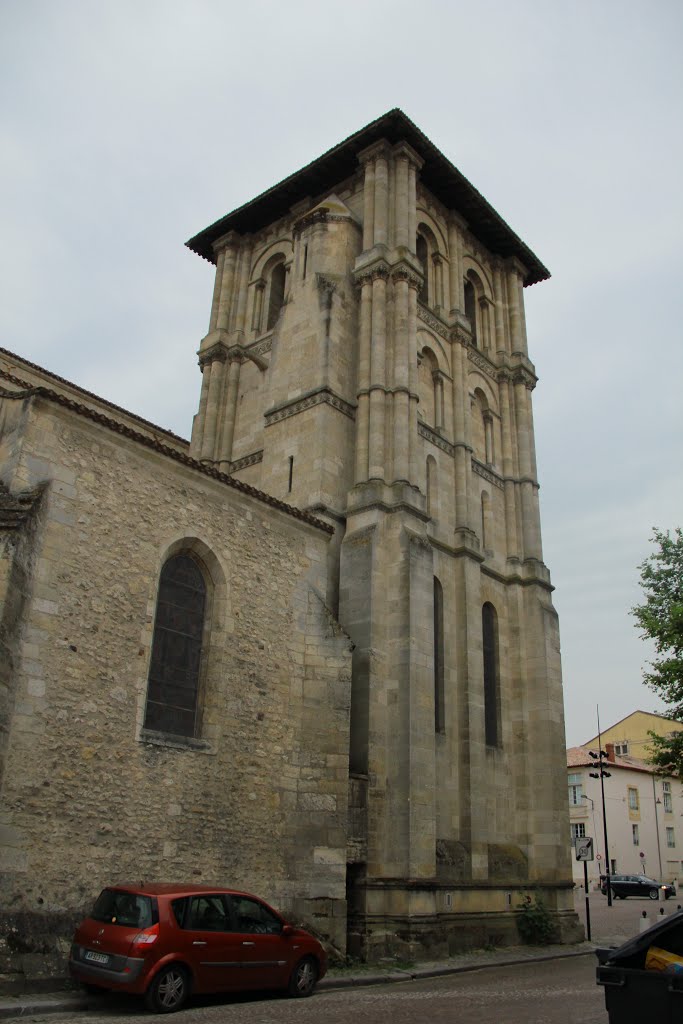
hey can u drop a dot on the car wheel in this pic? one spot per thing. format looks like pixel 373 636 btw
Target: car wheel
pixel 653 894
pixel 614 894
pixel 303 978
pixel 169 990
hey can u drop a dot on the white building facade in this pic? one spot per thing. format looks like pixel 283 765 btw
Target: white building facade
pixel 643 812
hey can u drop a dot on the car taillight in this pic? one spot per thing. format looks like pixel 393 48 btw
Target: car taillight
pixel 147 937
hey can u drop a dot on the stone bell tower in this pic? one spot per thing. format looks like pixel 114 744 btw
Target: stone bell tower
pixel 367 361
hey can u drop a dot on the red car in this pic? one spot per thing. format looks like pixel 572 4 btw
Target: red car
pixel 165 941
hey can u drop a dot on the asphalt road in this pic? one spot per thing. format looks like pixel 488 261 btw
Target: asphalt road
pixel 550 992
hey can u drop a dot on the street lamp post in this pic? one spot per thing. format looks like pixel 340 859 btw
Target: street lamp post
pixel 600 759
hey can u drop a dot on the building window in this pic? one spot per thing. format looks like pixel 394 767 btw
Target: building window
pixel 489 628
pixel 668 805
pixel 621 748
pixel 471 308
pixel 422 253
pixel 439 698
pixel 633 804
pixel 575 788
pixel 670 838
pixel 578 831
pixel 173 683
pixel 276 298
pixel 635 831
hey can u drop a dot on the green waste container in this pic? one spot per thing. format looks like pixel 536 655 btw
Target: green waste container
pixel 634 995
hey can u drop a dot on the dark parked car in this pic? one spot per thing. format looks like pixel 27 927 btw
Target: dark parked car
pixel 636 885
pixel 165 941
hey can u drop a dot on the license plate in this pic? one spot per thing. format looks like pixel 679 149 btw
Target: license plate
pixel 97 958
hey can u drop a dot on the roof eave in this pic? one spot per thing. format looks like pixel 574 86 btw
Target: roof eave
pixel 439 175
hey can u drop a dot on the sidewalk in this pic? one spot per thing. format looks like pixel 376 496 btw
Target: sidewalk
pixel 337 978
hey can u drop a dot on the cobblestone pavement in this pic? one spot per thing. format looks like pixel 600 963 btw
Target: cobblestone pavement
pixel 529 993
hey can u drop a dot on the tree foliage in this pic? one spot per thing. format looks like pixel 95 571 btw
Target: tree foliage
pixel 660 617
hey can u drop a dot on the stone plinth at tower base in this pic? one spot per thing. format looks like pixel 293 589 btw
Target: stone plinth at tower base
pixel 392 918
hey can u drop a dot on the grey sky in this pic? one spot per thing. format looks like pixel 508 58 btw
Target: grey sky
pixel 126 127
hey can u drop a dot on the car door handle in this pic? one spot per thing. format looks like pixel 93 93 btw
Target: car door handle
pixel 248 943
pixel 198 943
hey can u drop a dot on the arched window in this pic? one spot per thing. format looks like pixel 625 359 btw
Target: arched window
pixel 471 308
pixel 489 631
pixel 422 253
pixel 277 294
pixel 173 684
pixel 439 697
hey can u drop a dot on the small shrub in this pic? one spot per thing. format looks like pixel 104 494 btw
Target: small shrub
pixel 535 923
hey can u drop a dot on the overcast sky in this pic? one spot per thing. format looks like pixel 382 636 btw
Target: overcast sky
pixel 126 126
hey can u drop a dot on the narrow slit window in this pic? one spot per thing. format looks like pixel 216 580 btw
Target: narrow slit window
pixel 489 623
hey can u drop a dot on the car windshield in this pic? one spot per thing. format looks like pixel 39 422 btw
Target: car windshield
pixel 127 909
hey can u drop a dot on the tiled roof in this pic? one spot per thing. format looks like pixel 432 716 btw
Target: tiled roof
pixel 20 383
pixel 438 174
pixel 579 757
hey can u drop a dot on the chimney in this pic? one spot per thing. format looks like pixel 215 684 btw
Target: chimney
pixel 609 747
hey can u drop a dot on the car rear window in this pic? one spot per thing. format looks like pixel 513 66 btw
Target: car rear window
pixel 128 909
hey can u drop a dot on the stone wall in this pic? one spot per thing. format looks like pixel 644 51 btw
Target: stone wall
pixel 259 798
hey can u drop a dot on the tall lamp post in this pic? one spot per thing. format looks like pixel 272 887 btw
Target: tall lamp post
pixel 601 773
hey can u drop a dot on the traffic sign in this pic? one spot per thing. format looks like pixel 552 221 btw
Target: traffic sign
pixel 584 849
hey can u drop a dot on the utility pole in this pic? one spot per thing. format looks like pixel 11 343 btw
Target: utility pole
pixel 601 758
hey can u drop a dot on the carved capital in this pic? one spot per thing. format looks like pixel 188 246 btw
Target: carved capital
pixel 402 151
pixel 404 273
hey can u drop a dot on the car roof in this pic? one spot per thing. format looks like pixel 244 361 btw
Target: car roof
pixel 175 889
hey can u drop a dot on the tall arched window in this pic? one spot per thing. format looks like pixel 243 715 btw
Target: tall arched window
pixel 277 294
pixel 489 630
pixel 173 684
pixel 422 253
pixel 439 697
pixel 471 308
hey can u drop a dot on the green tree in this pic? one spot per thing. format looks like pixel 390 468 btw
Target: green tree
pixel 660 618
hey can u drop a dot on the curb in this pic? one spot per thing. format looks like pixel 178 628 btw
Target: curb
pixel 56 1002
pixel 418 973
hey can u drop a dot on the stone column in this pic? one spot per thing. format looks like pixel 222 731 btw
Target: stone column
pixel 230 413
pixel 257 310
pixel 243 288
pixel 530 525
pixel 363 393
pixel 229 244
pixel 220 260
pixel 200 418
pixel 369 203
pixel 401 218
pixel 457 296
pixel 461 415
pixel 415 445
pixel 215 370
pixel 512 543
pixel 401 397
pixel 382 197
pixel 377 453
pixel 499 306
pixel 518 341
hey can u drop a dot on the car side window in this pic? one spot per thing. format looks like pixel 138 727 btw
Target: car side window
pixel 253 917
pixel 207 913
pixel 179 908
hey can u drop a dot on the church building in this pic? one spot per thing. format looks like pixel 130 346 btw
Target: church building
pixel 312 652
